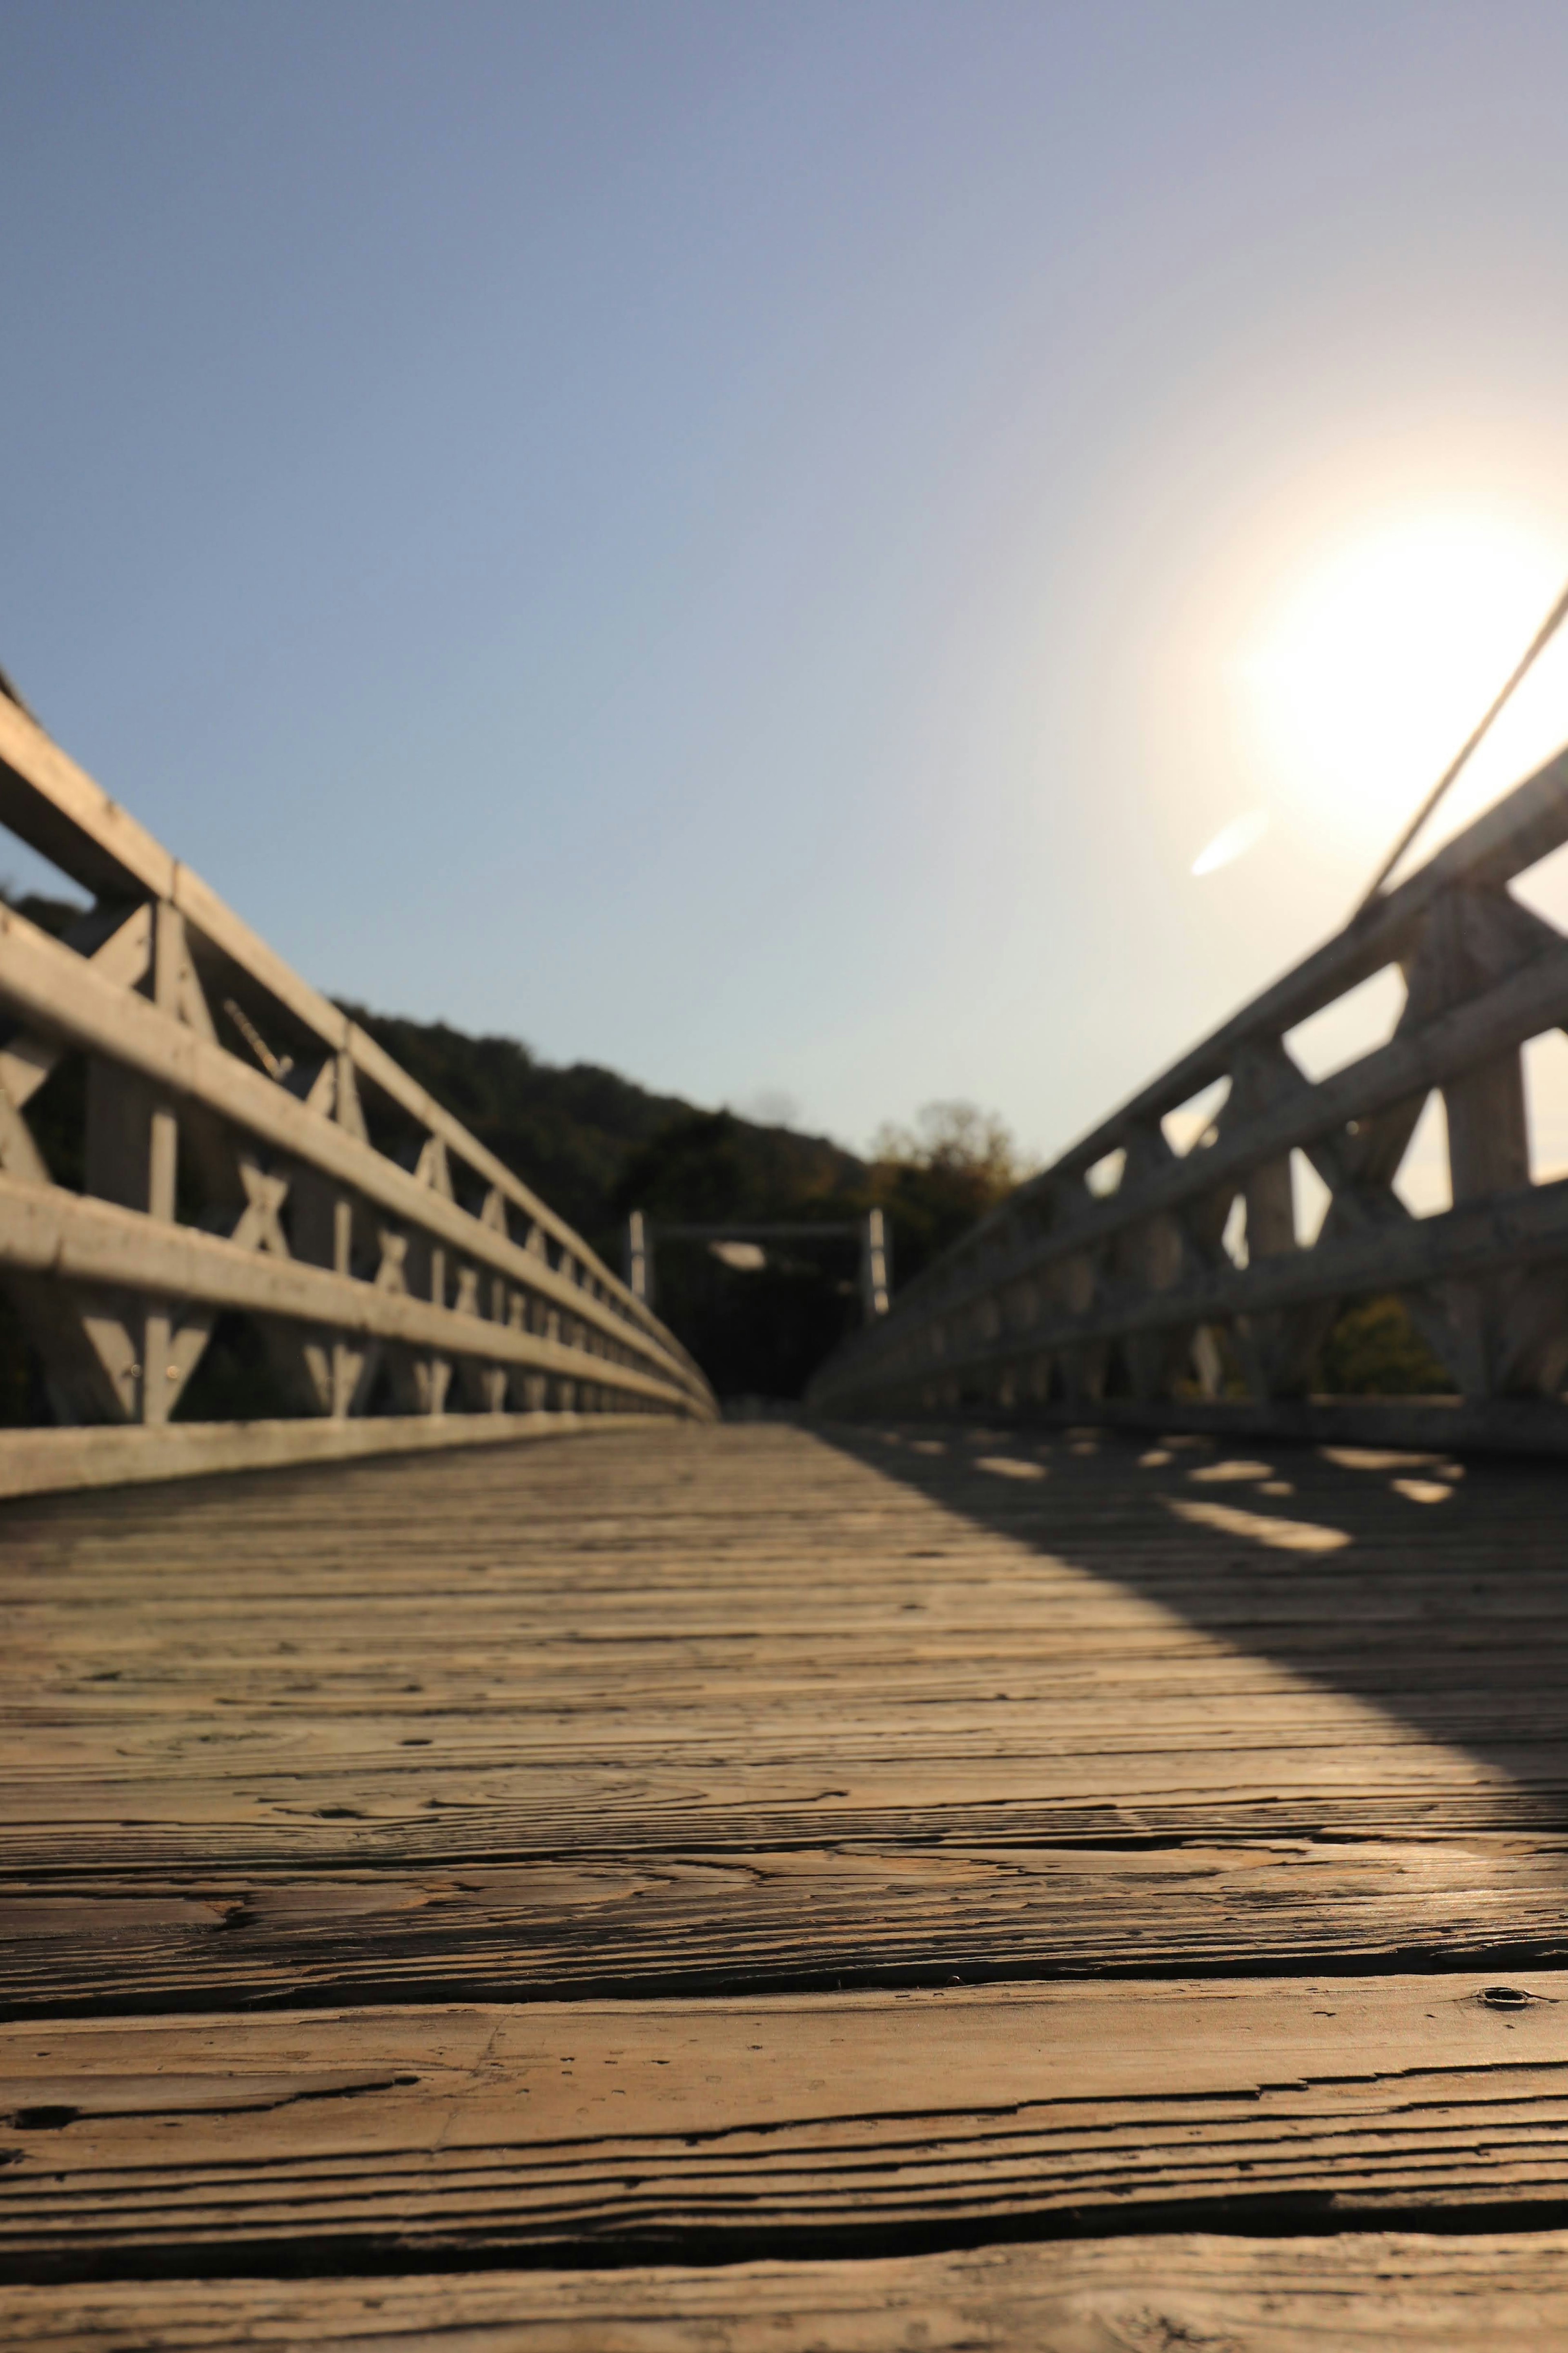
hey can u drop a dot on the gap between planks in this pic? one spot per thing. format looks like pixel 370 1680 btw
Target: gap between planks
pixel 790 2125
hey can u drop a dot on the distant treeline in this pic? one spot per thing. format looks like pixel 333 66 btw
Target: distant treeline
pixel 598 1146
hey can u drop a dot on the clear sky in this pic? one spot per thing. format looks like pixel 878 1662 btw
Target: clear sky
pixel 757 544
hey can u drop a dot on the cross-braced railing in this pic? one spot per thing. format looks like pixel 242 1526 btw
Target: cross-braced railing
pixel 1074 1298
pixel 247 1148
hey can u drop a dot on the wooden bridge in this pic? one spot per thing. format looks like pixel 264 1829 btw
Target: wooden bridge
pixel 1056 1853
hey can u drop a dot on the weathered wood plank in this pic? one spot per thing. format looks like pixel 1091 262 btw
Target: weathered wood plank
pixel 487 1660
pixel 1361 2292
pixel 321 1798
pixel 58 809
pixel 772 2124
pixel 782 1917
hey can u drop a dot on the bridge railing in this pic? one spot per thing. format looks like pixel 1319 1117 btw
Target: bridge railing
pixel 1134 1280
pixel 245 1148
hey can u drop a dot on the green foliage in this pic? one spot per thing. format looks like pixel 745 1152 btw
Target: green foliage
pixel 708 1166
pixel 233 1380
pixel 934 1182
pixel 54 916
pixel 1374 1350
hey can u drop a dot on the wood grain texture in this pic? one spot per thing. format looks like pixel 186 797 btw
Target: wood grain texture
pixel 803 1917
pixel 570 1852
pixel 736 1707
pixel 959 1854
pixel 1483 2293
pixel 773 2125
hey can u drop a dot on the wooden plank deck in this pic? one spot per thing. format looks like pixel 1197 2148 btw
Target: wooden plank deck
pixel 726 1887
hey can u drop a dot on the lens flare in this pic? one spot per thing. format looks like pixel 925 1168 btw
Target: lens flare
pixel 1232 841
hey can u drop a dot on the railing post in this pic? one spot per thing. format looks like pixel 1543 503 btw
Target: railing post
pixel 876 1256
pixel 1277 1350
pixel 158 1374
pixel 639 1258
pixel 1468 937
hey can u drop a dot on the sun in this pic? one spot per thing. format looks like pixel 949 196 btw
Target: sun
pixel 1363 676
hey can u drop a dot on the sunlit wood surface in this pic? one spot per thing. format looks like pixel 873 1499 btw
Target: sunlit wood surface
pixel 739 1887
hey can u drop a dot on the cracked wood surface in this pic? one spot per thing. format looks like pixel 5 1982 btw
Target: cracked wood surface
pixel 1485 2293
pixel 799 1917
pixel 772 2123
pixel 328 1779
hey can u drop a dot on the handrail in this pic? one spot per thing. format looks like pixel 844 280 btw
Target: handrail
pixel 1160 1288
pixel 398 1285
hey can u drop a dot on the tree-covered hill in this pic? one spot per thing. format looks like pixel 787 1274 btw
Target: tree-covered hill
pixel 597 1146
pixel 574 1134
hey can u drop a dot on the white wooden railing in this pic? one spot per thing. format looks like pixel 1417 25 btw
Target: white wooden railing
pixel 229 1165
pixel 1077 1300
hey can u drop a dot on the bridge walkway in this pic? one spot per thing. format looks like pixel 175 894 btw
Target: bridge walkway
pixel 743 1886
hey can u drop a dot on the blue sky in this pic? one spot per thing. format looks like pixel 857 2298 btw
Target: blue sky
pixel 752 544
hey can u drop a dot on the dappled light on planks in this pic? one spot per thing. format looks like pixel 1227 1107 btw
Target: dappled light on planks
pixel 746 1843
pixel 736 1708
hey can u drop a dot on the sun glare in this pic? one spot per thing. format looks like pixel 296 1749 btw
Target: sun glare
pixel 1363 680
